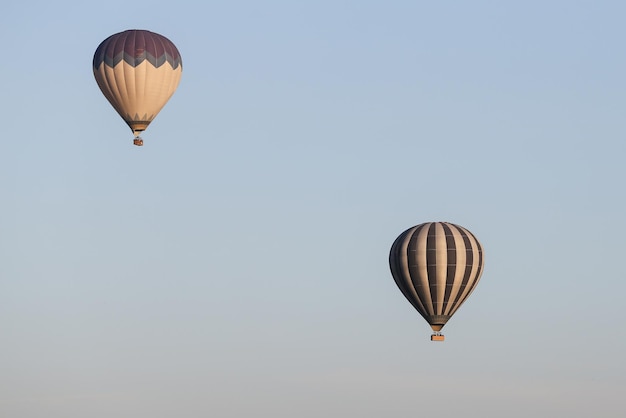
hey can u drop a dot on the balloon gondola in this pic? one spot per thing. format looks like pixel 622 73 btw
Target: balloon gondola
pixel 137 71
pixel 436 265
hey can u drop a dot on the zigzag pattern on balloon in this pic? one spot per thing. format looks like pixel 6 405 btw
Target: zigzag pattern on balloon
pixel 136 46
pixel 134 61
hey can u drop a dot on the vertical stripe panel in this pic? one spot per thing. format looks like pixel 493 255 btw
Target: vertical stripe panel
pixel 400 268
pixel 420 267
pixel 467 269
pixel 475 269
pixel 451 266
pixel 456 280
pixel 439 280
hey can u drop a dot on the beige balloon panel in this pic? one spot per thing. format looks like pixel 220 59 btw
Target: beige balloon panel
pixel 139 92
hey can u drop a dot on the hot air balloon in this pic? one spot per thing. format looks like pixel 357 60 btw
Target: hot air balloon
pixel 137 71
pixel 436 265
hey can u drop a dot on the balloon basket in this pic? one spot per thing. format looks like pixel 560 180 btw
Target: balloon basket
pixel 138 141
pixel 437 337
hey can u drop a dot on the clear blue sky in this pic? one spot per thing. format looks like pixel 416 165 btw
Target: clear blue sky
pixel 236 265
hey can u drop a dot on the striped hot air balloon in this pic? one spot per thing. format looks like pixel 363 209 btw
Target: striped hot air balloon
pixel 436 265
pixel 137 71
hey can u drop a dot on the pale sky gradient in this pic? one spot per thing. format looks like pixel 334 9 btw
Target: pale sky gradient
pixel 236 265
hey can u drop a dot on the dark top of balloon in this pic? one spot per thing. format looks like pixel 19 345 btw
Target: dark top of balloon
pixel 134 47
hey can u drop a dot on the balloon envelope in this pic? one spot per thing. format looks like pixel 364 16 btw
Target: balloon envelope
pixel 436 265
pixel 137 71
